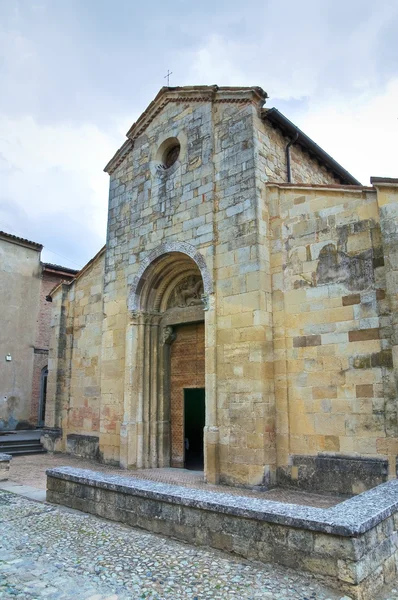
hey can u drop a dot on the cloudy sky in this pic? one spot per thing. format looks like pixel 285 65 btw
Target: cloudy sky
pixel 75 74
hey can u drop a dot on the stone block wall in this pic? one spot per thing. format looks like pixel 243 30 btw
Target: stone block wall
pixel 212 198
pixel 304 168
pixel 208 200
pixel 85 391
pixel 150 206
pixel 300 302
pixel 73 390
pixel 332 329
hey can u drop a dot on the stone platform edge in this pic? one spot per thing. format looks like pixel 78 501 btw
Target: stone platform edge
pixel 5 460
pixel 352 546
pixel 349 518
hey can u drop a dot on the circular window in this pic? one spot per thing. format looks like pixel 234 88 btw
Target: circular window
pixel 171 154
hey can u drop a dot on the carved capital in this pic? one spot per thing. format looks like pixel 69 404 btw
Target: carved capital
pixel 168 335
pixel 135 317
pixel 138 317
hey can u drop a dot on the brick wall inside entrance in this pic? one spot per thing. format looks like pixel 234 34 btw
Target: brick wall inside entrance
pixel 187 370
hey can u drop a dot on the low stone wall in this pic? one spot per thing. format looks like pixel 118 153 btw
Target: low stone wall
pixel 334 473
pixel 84 446
pixel 353 546
pixel 4 466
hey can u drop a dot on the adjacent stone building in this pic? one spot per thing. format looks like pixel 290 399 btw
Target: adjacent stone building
pixel 24 330
pixel 243 314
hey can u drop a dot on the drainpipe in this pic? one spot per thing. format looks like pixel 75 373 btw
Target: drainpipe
pixel 287 150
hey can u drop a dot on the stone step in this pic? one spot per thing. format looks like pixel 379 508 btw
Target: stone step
pixel 24 446
pixel 22 451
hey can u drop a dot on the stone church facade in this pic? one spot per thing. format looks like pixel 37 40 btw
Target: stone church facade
pixel 242 317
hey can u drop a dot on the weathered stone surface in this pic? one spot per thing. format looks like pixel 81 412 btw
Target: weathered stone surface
pixel 51 438
pixel 337 473
pixel 299 303
pixel 86 446
pixel 4 466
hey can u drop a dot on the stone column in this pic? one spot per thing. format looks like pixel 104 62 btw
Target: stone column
pixel 163 431
pixel 60 355
pixel 145 428
pixel 154 392
pixel 132 390
pixel 211 431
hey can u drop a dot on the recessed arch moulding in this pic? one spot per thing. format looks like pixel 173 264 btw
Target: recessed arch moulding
pixel 172 287
pixel 138 300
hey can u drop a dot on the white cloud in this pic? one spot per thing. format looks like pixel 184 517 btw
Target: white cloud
pixel 327 65
pixel 360 133
pixel 329 80
pixel 54 175
pixel 299 49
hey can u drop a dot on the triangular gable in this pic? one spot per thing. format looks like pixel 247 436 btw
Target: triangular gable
pixel 200 93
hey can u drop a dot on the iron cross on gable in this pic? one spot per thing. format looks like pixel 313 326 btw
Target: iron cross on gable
pixel 167 76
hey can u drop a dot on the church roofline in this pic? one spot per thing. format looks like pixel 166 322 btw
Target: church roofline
pixel 195 93
pixel 59 270
pixel 291 130
pixel 346 187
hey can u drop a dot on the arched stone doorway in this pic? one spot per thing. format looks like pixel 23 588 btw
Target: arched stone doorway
pixel 169 295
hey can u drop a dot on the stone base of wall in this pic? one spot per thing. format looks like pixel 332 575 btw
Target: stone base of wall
pixel 334 473
pixel 352 546
pixel 84 446
pixel 51 439
pixel 4 466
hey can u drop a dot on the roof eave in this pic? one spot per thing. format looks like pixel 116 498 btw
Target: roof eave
pixel 384 181
pixel 278 119
pixel 14 239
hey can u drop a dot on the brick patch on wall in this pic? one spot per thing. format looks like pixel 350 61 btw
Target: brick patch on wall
pixel 187 371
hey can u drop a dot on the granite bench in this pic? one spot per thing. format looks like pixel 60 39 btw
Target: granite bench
pixel 352 546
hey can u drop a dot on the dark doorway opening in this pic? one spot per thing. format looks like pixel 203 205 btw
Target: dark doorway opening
pixel 194 422
pixel 43 396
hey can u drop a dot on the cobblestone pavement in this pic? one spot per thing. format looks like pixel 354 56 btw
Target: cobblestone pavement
pixel 31 470
pixel 48 552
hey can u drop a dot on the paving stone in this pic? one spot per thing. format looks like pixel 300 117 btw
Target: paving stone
pixel 49 552
pixel 31 471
